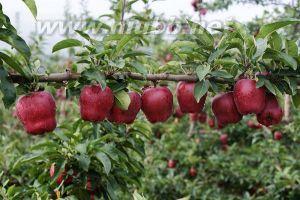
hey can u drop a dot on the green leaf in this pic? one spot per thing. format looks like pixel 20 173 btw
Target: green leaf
pixel 202 71
pixel 122 100
pixel 122 43
pixel 261 46
pixel 275 41
pixel 270 87
pixel 32 6
pixel 214 86
pixel 200 90
pixel 16 42
pixel 137 196
pixel 260 82
pixel 135 54
pixel 221 74
pixel 84 35
pixel 67 43
pixel 13 63
pixel 139 67
pixel 202 34
pixel 216 54
pixel 84 161
pixel 285 58
pixel 268 29
pixel 7 88
pixel 104 159
pixel 81 148
pixel 291 47
pixel 95 75
pixel 296 99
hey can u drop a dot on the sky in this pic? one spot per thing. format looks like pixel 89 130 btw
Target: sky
pixel 54 10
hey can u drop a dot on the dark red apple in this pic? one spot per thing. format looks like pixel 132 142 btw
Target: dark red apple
pixel 195 4
pixel 36 111
pixel 202 11
pixel 178 113
pixel 89 185
pixel 193 117
pixel 202 117
pixel 172 27
pixel 277 135
pixel 224 147
pixel 63 176
pixel 272 113
pixel 253 125
pixel 224 139
pixel 95 103
pixel 193 172
pixel 157 104
pixel 61 93
pixel 248 98
pixel 171 164
pixel 211 122
pixel 224 108
pixel 186 98
pixel 158 134
pixel 128 116
pixel 168 57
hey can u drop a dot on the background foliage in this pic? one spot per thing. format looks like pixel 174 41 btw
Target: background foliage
pixel 120 160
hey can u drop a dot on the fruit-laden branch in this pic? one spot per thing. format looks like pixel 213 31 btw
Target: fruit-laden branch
pixel 60 77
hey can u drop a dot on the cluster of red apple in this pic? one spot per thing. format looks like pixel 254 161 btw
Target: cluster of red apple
pixel 67 179
pixel 172 165
pixel 37 110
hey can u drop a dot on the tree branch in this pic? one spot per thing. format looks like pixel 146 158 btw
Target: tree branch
pixel 60 77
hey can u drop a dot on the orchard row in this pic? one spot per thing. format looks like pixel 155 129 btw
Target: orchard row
pixel 37 110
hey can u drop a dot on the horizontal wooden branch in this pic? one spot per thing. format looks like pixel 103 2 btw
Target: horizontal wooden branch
pixel 61 77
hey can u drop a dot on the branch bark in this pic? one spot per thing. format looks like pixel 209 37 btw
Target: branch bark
pixel 61 77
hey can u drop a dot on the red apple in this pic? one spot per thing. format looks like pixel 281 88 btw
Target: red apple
pixel 36 111
pixel 168 57
pixel 158 134
pixel 193 172
pixel 157 104
pixel 178 113
pixel 202 117
pixel 248 98
pixel 202 11
pixel 224 139
pixel 224 108
pixel 171 164
pixel 61 93
pixel 211 122
pixel 52 170
pixel 172 27
pixel 224 147
pixel 186 98
pixel 95 103
pixel 128 116
pixel 63 176
pixel 193 117
pixel 253 125
pixel 195 4
pixel 89 186
pixel 272 113
pixel 277 135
